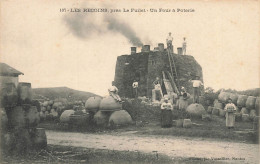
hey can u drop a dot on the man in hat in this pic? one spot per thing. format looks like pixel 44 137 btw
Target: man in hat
pixel 135 88
pixel 157 89
pixel 196 84
pixel 184 45
pixel 230 109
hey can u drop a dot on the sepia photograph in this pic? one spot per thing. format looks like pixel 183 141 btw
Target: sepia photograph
pixel 94 81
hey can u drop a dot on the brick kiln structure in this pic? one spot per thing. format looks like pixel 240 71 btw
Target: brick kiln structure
pixel 146 65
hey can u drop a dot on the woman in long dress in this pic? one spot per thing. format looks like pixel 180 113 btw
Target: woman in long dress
pixel 166 113
pixel 230 109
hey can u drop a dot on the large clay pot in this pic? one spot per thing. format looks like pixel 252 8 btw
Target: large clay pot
pixel 196 110
pixel 7 142
pixel 241 101
pixel 218 105
pixel 17 117
pixel 8 95
pixel 65 116
pixel 92 104
pixel 223 97
pixel 215 111
pixel 222 113
pixel 101 118
pixel 23 141
pixel 40 139
pixel 244 111
pixel 4 120
pixel 109 104
pixel 250 102
pixel 234 97
pixel 120 117
pixel 32 116
pixel 79 120
pixel 257 105
pixel 25 93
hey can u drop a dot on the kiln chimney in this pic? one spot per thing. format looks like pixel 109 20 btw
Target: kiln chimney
pixel 146 48
pixel 179 49
pixel 161 47
pixel 133 50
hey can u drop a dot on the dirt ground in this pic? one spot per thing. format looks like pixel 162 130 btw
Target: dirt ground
pixel 222 151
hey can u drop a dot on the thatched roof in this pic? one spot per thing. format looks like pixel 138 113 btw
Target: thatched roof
pixel 6 70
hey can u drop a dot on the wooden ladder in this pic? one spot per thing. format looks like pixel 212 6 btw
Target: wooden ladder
pixel 173 76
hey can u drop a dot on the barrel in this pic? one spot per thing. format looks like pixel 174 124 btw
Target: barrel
pixel 109 104
pixel 250 102
pixel 9 95
pixel 223 97
pixel 32 116
pixel 39 138
pixel 92 104
pixel 17 117
pixel 25 93
pixel 241 101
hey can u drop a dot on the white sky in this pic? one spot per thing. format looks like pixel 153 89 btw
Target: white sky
pixel 222 36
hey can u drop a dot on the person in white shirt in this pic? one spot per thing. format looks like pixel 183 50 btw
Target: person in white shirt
pixel 230 109
pixel 184 45
pixel 135 88
pixel 196 89
pixel 113 92
pixel 169 40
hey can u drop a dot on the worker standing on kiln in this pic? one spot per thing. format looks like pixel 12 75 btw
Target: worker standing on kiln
pixel 169 40
pixel 135 89
pixel 196 88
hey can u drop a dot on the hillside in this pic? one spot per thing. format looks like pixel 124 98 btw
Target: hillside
pixel 61 92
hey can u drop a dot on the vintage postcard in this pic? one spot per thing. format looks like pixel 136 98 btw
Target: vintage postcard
pixel 94 81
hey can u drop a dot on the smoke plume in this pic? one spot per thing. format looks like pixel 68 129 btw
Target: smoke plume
pixel 84 25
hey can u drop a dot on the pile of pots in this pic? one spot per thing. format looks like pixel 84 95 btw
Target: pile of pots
pixel 19 120
pixel 247 106
pixel 107 112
